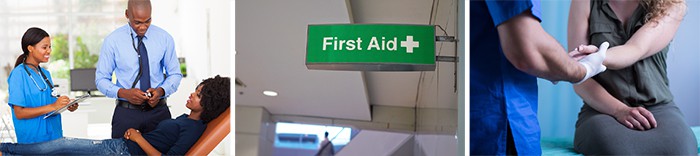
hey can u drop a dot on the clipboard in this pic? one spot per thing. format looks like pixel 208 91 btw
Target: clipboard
pixel 64 108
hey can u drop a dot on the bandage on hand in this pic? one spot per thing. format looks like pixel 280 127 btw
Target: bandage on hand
pixel 594 62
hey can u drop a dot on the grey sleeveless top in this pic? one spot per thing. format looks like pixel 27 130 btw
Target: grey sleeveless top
pixel 643 83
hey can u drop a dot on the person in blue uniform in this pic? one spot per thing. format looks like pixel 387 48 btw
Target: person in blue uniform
pixel 31 91
pixel 509 49
pixel 171 137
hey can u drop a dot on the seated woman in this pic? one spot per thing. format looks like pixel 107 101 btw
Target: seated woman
pixel 171 137
pixel 629 109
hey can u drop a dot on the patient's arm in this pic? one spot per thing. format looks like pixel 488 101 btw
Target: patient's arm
pixel 591 91
pixel 631 117
pixel 648 40
pixel 135 135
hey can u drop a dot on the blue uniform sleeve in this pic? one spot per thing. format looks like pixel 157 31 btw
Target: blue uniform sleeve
pixel 16 87
pixel 501 11
pixel 171 65
pixel 105 67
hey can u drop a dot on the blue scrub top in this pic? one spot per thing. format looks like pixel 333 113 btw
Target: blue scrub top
pixel 25 93
pixel 500 94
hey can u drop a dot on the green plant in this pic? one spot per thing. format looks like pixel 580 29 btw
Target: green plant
pixel 183 69
pixel 82 58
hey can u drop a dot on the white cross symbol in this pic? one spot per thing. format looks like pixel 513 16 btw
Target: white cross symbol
pixel 409 44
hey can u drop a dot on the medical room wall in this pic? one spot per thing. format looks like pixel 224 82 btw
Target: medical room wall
pixel 559 105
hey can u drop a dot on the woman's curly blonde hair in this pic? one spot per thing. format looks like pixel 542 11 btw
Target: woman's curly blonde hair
pixel 657 8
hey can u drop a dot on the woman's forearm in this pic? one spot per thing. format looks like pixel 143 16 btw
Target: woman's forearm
pixel 147 147
pixel 631 117
pixel 26 112
pixel 623 56
pixel 597 97
pixel 651 38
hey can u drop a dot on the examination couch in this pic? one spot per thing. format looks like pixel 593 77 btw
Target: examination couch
pixel 565 146
pixel 216 131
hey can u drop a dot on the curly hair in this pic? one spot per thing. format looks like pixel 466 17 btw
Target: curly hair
pixel 657 8
pixel 216 97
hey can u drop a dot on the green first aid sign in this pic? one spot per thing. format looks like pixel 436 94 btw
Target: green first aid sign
pixel 371 47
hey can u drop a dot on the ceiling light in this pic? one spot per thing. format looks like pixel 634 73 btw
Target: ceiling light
pixel 269 93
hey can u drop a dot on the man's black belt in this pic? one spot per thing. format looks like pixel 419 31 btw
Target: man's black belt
pixel 144 107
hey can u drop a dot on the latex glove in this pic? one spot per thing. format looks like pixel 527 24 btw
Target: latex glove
pixel 594 62
pixel 579 53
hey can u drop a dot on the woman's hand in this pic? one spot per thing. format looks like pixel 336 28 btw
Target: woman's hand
pixel 73 107
pixel 582 51
pixel 133 135
pixel 638 118
pixel 60 102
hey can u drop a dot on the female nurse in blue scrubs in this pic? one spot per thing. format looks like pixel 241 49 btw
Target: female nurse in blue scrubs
pixel 32 95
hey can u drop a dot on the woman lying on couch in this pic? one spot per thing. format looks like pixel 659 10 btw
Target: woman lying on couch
pixel 171 137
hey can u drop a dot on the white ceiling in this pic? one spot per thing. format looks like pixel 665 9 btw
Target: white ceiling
pixel 271 50
pixel 400 88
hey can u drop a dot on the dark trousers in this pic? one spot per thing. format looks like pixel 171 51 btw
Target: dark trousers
pixel 144 121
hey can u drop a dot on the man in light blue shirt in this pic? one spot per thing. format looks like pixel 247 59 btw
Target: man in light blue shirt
pixel 147 71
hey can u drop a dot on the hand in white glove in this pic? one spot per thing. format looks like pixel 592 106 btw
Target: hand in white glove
pixel 594 62
pixel 582 51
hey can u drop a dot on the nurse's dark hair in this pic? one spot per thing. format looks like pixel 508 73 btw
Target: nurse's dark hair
pixel 31 37
pixel 215 97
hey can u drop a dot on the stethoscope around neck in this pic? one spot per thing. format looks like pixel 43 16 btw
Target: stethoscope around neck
pixel 47 83
pixel 136 49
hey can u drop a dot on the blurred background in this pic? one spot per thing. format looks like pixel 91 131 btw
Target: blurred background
pixel 283 108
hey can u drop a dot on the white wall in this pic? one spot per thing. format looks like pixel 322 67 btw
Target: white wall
pixel 201 33
pixel 435 145
pixel 683 65
pixel 255 131
pixel 435 132
pixel 378 143
pixel 407 149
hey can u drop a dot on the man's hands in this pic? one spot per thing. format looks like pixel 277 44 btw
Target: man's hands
pixel 638 118
pixel 133 135
pixel 155 96
pixel 133 95
pixel 138 97
pixel 592 62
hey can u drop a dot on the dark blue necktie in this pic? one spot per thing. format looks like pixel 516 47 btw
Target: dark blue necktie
pixel 145 70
